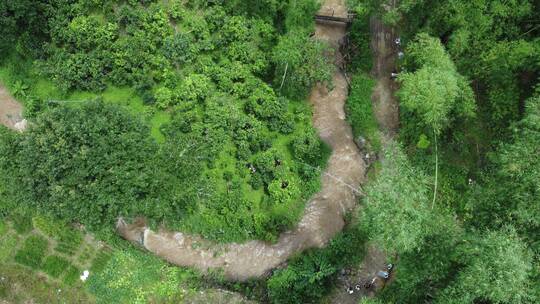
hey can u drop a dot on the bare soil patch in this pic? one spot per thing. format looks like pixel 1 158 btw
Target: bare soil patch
pixel 10 109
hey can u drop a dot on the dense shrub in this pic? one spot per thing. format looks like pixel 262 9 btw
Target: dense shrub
pixel 86 164
pixel 301 62
pixel 308 148
pixel 207 66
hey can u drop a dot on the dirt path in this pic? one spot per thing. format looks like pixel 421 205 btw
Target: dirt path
pixel 10 109
pixel 386 109
pixel 323 216
pixel 384 53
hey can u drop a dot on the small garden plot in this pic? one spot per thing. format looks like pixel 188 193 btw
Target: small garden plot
pixel 32 252
pixel 69 242
pixel 100 261
pixel 72 275
pixel 54 265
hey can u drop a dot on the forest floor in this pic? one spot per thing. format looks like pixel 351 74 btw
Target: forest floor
pixel 10 109
pixel 324 214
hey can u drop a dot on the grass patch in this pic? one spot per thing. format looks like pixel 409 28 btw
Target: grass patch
pixel 86 255
pixel 136 277
pixel 3 228
pixel 69 242
pixel 72 275
pixel 32 252
pixel 7 246
pixel 360 111
pixel 100 261
pixel 22 223
pixel 20 285
pixel 54 265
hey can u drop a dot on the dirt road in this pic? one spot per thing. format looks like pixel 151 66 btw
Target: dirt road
pixel 384 51
pixel 323 216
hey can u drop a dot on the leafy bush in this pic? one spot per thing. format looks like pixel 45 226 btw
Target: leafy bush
pixel 54 265
pixel 435 92
pixel 301 62
pixel 32 252
pixel 308 147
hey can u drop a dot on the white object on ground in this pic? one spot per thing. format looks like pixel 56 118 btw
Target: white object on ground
pixel 21 125
pixel 85 275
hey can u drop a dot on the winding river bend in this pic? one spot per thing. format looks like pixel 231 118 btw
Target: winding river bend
pixel 323 216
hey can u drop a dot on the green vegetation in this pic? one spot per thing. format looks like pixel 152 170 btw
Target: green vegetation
pixel 467 232
pixel 120 274
pixel 32 251
pixel 192 114
pixel 308 278
pixel 55 265
pixel 135 277
pixel 434 94
pixel 360 112
pixel 198 156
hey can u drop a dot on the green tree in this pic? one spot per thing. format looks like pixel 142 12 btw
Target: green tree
pixel 516 166
pixel 397 214
pixel 301 61
pixel 498 268
pixel 435 90
pixel 89 164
